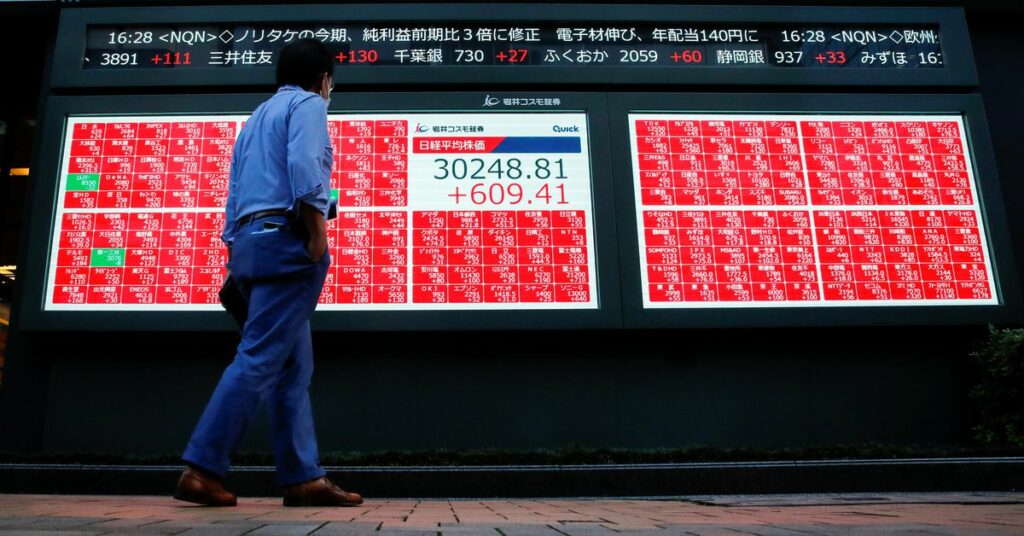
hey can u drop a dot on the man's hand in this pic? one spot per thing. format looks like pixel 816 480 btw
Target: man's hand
pixel 316 225
pixel 316 247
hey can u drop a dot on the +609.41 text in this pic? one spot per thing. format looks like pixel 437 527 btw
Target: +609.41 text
pixel 522 181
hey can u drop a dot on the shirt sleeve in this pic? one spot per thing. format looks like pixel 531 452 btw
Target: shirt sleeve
pixel 309 154
pixel 231 208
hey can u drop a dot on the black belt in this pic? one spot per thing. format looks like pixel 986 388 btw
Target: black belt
pixel 260 215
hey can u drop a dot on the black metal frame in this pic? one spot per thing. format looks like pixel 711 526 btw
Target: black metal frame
pixel 958 69
pixel 32 316
pixel 990 200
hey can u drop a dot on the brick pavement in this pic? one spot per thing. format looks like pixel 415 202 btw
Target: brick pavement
pixel 768 515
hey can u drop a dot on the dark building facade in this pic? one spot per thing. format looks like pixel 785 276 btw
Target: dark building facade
pixel 766 380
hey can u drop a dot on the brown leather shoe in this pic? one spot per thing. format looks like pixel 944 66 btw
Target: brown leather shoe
pixel 320 492
pixel 201 488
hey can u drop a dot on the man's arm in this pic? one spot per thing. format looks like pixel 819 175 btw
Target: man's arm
pixel 316 225
pixel 309 169
pixel 309 164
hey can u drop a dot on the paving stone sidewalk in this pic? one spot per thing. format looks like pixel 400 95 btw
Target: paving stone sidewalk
pixel 768 515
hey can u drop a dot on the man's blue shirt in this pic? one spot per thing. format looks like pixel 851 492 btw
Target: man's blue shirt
pixel 282 157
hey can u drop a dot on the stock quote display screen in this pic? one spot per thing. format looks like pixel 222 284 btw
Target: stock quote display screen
pixel 436 211
pixel 787 210
pixel 669 45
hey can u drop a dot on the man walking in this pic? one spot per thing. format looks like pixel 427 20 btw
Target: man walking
pixel 278 202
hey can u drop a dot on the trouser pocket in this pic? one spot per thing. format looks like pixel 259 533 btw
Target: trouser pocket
pixel 270 249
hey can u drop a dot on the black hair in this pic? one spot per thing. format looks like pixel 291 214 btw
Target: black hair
pixel 303 62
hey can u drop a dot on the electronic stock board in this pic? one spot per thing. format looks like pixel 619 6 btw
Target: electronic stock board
pixel 538 208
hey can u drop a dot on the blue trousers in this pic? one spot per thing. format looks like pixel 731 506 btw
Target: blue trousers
pixel 274 361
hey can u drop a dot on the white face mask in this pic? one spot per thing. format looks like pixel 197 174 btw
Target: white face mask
pixel 327 99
